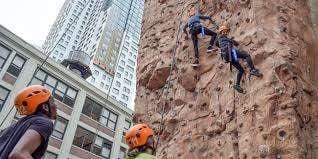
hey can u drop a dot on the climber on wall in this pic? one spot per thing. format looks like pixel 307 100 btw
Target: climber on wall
pixel 140 139
pixel 195 28
pixel 29 136
pixel 231 54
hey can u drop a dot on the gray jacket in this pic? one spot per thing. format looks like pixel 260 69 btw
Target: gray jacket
pixel 194 21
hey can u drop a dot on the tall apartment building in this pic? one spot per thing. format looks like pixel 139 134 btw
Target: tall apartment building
pixel 89 126
pixel 107 30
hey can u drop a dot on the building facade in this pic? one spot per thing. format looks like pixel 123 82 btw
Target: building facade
pixel 107 30
pixel 89 125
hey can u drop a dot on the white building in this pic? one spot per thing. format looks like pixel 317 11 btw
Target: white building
pixel 89 126
pixel 107 30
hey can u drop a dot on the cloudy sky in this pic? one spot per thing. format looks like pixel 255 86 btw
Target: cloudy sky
pixel 29 19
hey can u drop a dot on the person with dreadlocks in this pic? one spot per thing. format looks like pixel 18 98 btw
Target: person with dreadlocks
pixel 28 138
pixel 230 53
pixel 141 142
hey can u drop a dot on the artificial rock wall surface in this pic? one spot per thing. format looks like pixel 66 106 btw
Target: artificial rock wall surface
pixel 203 117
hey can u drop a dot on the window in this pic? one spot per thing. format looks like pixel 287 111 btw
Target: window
pixel 131 62
pixel 124 97
pixel 96 73
pixel 14 69
pixel 117 84
pixel 131 76
pixel 98 113
pixel 120 68
pixel 60 125
pixel 101 84
pixel 116 91
pixel 92 142
pixel 108 119
pixel 93 80
pixel 125 49
pixel 127 81
pixel 3 96
pixel 127 125
pixel 49 155
pixel 4 54
pixel 130 68
pixel 126 90
pixel 104 77
pixel 60 90
pixel 118 75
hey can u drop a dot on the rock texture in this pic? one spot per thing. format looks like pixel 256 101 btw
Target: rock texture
pixel 203 118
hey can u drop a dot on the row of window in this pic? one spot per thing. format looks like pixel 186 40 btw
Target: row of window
pixel 60 90
pixel 98 113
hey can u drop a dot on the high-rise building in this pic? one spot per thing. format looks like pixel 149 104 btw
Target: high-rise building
pixel 88 125
pixel 107 30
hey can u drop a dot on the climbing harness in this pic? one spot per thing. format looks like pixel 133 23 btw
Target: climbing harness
pixel 172 66
pixel 48 54
pixel 202 32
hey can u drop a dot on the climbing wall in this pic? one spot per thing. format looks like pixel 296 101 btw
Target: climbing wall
pixel 201 116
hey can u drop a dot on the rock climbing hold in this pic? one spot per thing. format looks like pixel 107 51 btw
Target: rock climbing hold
pixel 263 150
pixel 282 135
pixel 260 128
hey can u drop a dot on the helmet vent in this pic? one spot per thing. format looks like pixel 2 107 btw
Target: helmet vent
pixel 24 103
pixel 36 92
pixel 30 95
pixel 44 90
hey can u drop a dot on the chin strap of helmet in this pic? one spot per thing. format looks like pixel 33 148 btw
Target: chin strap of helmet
pixel 50 102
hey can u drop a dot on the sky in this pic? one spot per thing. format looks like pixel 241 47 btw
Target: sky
pixel 29 19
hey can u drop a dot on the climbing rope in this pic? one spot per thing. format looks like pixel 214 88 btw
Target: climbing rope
pixel 172 66
pixel 48 55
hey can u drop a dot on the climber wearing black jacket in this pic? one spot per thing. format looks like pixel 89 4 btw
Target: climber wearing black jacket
pixel 195 28
pixel 230 54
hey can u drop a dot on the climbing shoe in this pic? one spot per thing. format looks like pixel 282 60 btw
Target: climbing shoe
pixel 256 73
pixel 196 63
pixel 210 49
pixel 238 88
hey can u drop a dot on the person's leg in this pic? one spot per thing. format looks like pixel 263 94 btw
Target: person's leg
pixel 195 46
pixel 239 76
pixel 210 33
pixel 247 57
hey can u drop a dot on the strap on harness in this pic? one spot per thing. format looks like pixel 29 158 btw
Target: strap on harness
pixel 202 31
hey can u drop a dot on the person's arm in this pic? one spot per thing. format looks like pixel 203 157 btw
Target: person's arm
pixel 235 42
pixel 205 17
pixel 28 143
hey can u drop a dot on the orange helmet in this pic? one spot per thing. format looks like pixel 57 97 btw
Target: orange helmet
pixel 28 99
pixel 138 135
pixel 224 28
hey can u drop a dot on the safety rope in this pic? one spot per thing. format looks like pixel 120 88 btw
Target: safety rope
pixel 48 55
pixel 168 82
